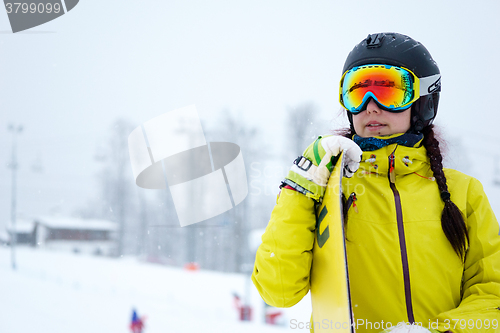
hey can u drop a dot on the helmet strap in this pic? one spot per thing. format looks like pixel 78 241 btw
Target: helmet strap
pixel 423 112
pixel 349 116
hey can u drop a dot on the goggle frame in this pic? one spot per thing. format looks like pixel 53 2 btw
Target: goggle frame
pixel 370 95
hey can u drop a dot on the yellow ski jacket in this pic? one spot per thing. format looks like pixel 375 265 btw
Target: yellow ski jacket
pixel 402 268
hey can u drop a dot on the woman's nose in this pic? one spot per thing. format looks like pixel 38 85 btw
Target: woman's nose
pixel 372 107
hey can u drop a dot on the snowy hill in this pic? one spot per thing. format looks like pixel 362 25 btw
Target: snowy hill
pixel 63 292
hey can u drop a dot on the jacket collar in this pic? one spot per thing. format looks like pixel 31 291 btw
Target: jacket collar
pixel 406 160
pixel 377 142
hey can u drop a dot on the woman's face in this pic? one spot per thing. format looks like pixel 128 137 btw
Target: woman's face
pixel 377 122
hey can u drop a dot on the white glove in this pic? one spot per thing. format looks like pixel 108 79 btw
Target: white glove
pixel 333 145
pixel 303 171
pixel 409 329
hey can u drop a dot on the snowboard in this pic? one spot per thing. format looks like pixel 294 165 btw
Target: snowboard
pixel 330 293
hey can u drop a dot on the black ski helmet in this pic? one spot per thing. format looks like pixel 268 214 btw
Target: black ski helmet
pixel 395 49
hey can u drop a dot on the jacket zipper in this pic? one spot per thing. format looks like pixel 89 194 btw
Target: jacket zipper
pixel 352 201
pixel 402 242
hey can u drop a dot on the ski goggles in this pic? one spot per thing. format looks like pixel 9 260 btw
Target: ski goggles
pixel 393 88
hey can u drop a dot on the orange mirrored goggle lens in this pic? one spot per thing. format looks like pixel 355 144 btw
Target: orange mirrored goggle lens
pixel 394 88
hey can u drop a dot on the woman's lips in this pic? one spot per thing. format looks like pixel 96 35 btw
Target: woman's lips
pixel 374 126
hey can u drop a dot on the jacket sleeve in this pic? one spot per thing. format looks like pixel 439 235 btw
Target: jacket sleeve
pixel 479 309
pixel 283 260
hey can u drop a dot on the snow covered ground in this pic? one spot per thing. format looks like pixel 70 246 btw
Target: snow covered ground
pixel 63 292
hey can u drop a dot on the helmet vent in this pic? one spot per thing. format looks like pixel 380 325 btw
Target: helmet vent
pixel 374 40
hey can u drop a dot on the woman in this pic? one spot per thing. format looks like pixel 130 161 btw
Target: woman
pixel 423 243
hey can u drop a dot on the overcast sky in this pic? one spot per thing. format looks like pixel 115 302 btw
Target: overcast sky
pixel 66 81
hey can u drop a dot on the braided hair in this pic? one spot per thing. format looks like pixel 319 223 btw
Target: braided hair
pixel 452 221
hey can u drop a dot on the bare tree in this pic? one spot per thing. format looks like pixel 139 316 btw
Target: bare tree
pixel 117 199
pixel 148 220
pixel 232 239
pixel 302 127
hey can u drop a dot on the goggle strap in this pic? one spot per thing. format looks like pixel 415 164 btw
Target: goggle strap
pixel 430 84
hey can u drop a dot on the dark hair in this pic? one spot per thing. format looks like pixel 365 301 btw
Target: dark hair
pixel 452 220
